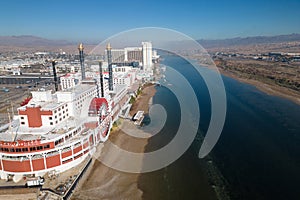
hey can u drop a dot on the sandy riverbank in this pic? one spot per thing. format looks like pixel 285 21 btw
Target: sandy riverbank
pixel 142 101
pixel 106 183
pixel 267 88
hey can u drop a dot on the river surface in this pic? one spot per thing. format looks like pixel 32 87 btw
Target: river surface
pixel 256 157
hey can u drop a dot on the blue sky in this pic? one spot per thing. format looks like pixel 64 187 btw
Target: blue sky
pixel 96 20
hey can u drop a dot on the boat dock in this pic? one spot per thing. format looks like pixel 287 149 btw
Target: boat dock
pixel 138 117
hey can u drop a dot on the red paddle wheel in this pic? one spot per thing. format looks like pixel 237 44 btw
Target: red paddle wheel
pixel 99 107
pixel 25 101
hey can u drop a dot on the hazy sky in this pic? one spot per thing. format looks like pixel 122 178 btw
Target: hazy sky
pixel 96 20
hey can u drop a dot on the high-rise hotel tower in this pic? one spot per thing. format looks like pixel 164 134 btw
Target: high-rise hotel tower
pixel 147 55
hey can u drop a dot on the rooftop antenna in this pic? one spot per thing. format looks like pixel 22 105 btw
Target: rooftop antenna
pixel 10 124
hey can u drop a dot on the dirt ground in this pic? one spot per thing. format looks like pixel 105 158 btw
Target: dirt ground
pixel 19 194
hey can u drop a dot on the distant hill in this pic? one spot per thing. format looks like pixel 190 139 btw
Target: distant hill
pixel 34 43
pixel 249 40
pixel 30 41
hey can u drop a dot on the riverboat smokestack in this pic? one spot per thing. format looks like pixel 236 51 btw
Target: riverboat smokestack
pixel 109 60
pixel 81 59
pixel 54 75
pixel 101 79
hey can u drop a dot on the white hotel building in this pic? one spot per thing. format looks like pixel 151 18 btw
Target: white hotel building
pixel 143 55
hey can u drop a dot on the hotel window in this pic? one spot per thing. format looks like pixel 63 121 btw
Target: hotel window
pixel 51 123
pixel 22 123
pixel 22 117
pixel 50 118
pixel 39 148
